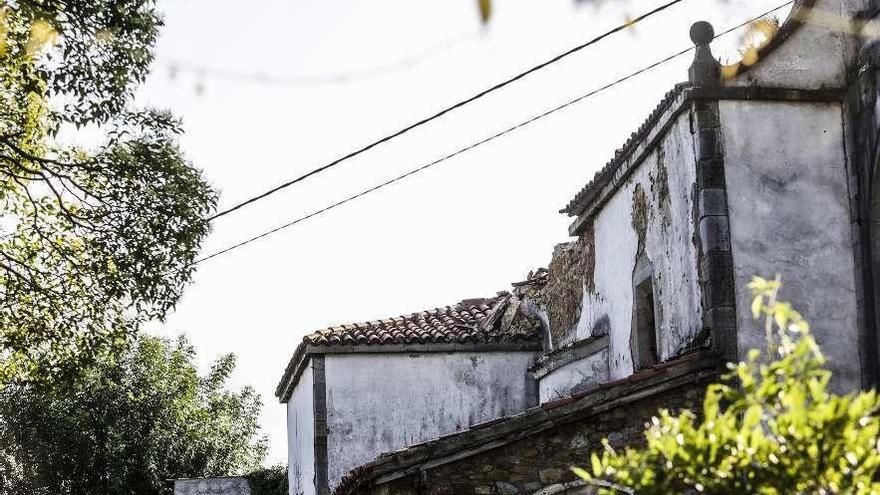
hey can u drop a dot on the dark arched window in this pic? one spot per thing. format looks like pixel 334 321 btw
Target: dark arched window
pixel 643 339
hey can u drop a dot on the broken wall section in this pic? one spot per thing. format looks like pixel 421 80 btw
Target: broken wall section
pixel 590 291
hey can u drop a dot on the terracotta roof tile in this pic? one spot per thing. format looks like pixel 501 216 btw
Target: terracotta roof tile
pixel 471 322
pixel 460 323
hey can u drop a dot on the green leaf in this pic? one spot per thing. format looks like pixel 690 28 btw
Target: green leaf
pixel 580 473
pixel 757 305
pixel 596 464
pixel 752 416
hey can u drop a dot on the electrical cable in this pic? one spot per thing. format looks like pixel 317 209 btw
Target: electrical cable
pixel 627 25
pixel 481 142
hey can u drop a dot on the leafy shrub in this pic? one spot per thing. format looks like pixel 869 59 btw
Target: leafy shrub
pixel 269 481
pixel 767 428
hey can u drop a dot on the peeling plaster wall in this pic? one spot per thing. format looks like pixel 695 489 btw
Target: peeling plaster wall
pixel 378 403
pixel 666 177
pixel 301 436
pixel 579 375
pixel 789 213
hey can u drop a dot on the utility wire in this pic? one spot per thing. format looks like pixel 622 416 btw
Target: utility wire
pixel 483 141
pixel 481 94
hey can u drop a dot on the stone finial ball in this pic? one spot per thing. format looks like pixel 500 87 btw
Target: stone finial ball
pixel 702 33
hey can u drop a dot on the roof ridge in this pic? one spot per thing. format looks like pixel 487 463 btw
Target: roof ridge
pixel 578 204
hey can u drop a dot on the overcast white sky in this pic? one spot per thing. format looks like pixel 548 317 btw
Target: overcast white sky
pixel 464 229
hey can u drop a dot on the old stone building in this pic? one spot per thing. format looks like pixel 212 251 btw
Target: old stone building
pixel 762 167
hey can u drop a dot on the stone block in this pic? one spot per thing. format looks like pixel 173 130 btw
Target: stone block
pixel 714 234
pixel 713 202
pixel 550 475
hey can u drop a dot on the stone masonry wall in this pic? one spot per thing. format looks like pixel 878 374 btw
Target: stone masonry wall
pixel 527 465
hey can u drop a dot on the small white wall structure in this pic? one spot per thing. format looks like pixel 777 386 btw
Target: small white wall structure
pixel 212 486
pixel 301 436
pixel 384 402
pixel 356 391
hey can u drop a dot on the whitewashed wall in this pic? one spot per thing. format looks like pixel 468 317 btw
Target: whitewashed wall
pixel 669 245
pixel 579 375
pixel 383 402
pixel 789 214
pixel 301 436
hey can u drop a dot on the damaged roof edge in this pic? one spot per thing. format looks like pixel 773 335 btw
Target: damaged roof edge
pixel 587 195
pixel 637 140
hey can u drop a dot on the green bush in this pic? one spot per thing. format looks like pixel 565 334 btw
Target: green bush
pixel 269 481
pixel 769 427
pixel 128 425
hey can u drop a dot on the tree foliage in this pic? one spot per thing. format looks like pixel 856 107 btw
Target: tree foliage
pixel 128 425
pixel 92 241
pixel 767 428
pixel 269 481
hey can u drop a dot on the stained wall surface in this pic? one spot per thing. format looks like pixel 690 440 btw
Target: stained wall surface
pixel 301 436
pixel 379 403
pixel 650 216
pixel 578 375
pixel 789 214
pixel 536 462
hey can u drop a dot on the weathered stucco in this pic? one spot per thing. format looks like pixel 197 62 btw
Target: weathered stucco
pixel 301 436
pixel 789 214
pixel 212 486
pixel 650 215
pixel 383 402
pixel 816 55
pixel 578 375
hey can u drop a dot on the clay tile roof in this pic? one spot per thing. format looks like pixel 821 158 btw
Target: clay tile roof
pixel 471 322
pixel 446 325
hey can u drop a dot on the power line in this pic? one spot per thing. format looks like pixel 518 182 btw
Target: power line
pixel 481 94
pixel 483 141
